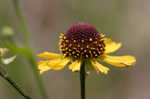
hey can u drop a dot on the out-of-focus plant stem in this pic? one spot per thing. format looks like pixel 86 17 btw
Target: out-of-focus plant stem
pixel 22 23
pixel 30 56
pixel 14 85
pixel 82 80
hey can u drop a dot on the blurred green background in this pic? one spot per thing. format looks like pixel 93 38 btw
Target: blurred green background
pixel 127 21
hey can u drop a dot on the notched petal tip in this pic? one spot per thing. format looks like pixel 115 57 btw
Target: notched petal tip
pixel 43 66
pixel 55 64
pixel 111 46
pixel 48 55
pixel 120 61
pixel 105 70
pixel 100 67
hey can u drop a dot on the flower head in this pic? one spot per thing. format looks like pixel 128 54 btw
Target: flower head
pixel 82 42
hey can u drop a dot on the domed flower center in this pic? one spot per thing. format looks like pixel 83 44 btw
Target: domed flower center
pixel 82 41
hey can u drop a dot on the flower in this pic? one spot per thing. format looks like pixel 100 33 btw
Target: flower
pixel 82 42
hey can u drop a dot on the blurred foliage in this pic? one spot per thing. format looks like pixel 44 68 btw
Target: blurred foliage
pixel 24 54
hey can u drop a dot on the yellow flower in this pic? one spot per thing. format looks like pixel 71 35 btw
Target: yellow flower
pixel 82 42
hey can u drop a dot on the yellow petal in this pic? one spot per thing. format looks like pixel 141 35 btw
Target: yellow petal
pixel 100 67
pixel 120 61
pixel 43 66
pixel 58 64
pixel 48 55
pixel 75 66
pixel 55 64
pixel 111 46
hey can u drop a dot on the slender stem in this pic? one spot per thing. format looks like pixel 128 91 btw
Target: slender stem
pixel 22 22
pixel 13 84
pixel 82 80
pixel 27 45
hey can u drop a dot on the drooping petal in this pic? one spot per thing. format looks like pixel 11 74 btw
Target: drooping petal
pixel 58 64
pixel 120 61
pixel 100 67
pixel 75 66
pixel 55 64
pixel 111 46
pixel 48 55
pixel 43 66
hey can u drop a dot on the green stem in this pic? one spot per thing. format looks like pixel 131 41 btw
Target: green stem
pixel 23 25
pixel 30 58
pixel 82 80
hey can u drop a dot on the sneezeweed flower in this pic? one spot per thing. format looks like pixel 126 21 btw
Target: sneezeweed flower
pixel 3 60
pixel 82 42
